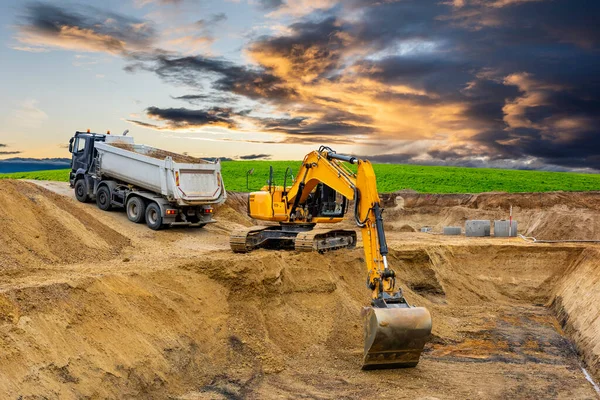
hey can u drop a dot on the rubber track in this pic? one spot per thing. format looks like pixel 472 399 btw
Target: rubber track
pixel 309 241
pixel 238 239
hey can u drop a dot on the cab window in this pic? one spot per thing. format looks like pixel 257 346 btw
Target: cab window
pixel 80 145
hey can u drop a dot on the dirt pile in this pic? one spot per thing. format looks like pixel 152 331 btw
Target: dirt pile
pixel 183 317
pixel 159 154
pixel 280 323
pixel 39 226
pixel 551 216
pixel 234 211
pixel 575 301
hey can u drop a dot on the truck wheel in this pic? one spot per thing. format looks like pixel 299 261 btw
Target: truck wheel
pixel 81 192
pixel 136 209
pixel 153 216
pixel 103 198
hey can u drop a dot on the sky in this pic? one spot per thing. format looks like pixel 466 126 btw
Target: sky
pixel 484 83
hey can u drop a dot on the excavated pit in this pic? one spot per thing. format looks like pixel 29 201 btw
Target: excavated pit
pixel 175 314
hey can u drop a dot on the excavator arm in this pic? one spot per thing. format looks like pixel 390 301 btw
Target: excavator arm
pixel 395 332
pixel 325 166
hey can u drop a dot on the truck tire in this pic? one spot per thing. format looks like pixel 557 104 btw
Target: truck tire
pixel 103 198
pixel 153 216
pixel 81 191
pixel 136 209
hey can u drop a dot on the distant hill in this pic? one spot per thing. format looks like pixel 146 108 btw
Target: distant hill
pixel 33 164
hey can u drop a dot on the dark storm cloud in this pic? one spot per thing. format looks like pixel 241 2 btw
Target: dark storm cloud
pixel 227 76
pixel 182 118
pixel 521 77
pixel 313 49
pixel 555 42
pixel 178 118
pixel 83 27
pixel 255 156
pixel 578 150
pixel 305 126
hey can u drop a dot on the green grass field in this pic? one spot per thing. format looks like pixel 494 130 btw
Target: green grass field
pixel 392 177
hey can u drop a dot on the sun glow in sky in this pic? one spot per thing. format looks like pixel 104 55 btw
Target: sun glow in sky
pixel 502 83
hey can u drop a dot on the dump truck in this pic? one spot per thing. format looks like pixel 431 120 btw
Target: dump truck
pixel 154 186
pixel 395 331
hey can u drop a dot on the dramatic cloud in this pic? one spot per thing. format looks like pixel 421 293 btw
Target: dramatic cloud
pixel 508 83
pixel 183 118
pixel 82 28
pixel 227 76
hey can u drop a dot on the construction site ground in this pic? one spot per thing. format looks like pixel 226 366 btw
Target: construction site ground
pixel 95 306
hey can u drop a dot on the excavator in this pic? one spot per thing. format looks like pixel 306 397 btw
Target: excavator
pixel 395 332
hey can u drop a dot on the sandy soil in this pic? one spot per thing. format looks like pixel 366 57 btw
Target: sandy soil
pixel 94 306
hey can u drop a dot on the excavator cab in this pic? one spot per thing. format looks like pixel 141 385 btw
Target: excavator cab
pixel 326 202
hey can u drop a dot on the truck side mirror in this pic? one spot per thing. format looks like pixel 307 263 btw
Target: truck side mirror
pixel 71 145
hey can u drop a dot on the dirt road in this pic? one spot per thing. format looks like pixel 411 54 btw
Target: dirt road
pixel 94 306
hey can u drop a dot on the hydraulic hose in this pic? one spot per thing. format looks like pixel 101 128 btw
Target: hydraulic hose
pixel 361 224
pixel 383 249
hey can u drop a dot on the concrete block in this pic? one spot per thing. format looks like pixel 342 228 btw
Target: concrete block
pixel 503 228
pixel 426 229
pixel 477 228
pixel 452 230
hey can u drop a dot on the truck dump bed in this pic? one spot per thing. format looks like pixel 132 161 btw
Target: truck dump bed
pixel 183 179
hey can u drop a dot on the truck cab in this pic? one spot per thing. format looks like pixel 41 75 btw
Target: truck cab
pixel 81 147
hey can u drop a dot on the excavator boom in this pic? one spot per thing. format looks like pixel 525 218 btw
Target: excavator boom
pixel 395 332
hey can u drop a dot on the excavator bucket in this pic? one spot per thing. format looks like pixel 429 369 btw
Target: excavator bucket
pixel 395 336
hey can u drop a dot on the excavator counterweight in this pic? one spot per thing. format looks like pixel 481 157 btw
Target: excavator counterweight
pixel 395 332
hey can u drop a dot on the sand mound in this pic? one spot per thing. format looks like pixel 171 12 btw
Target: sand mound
pixel 39 226
pixel 576 304
pixel 287 324
pixel 234 213
pixel 180 321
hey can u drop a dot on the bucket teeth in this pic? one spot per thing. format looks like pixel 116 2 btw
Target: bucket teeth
pixel 395 336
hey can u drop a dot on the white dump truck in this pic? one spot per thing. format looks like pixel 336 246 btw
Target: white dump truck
pixel 153 185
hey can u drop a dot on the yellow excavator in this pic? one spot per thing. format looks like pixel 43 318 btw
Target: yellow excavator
pixel 395 332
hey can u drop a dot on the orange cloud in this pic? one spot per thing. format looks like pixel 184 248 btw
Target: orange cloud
pixel 72 38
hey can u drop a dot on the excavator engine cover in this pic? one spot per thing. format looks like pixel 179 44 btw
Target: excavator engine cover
pixel 395 336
